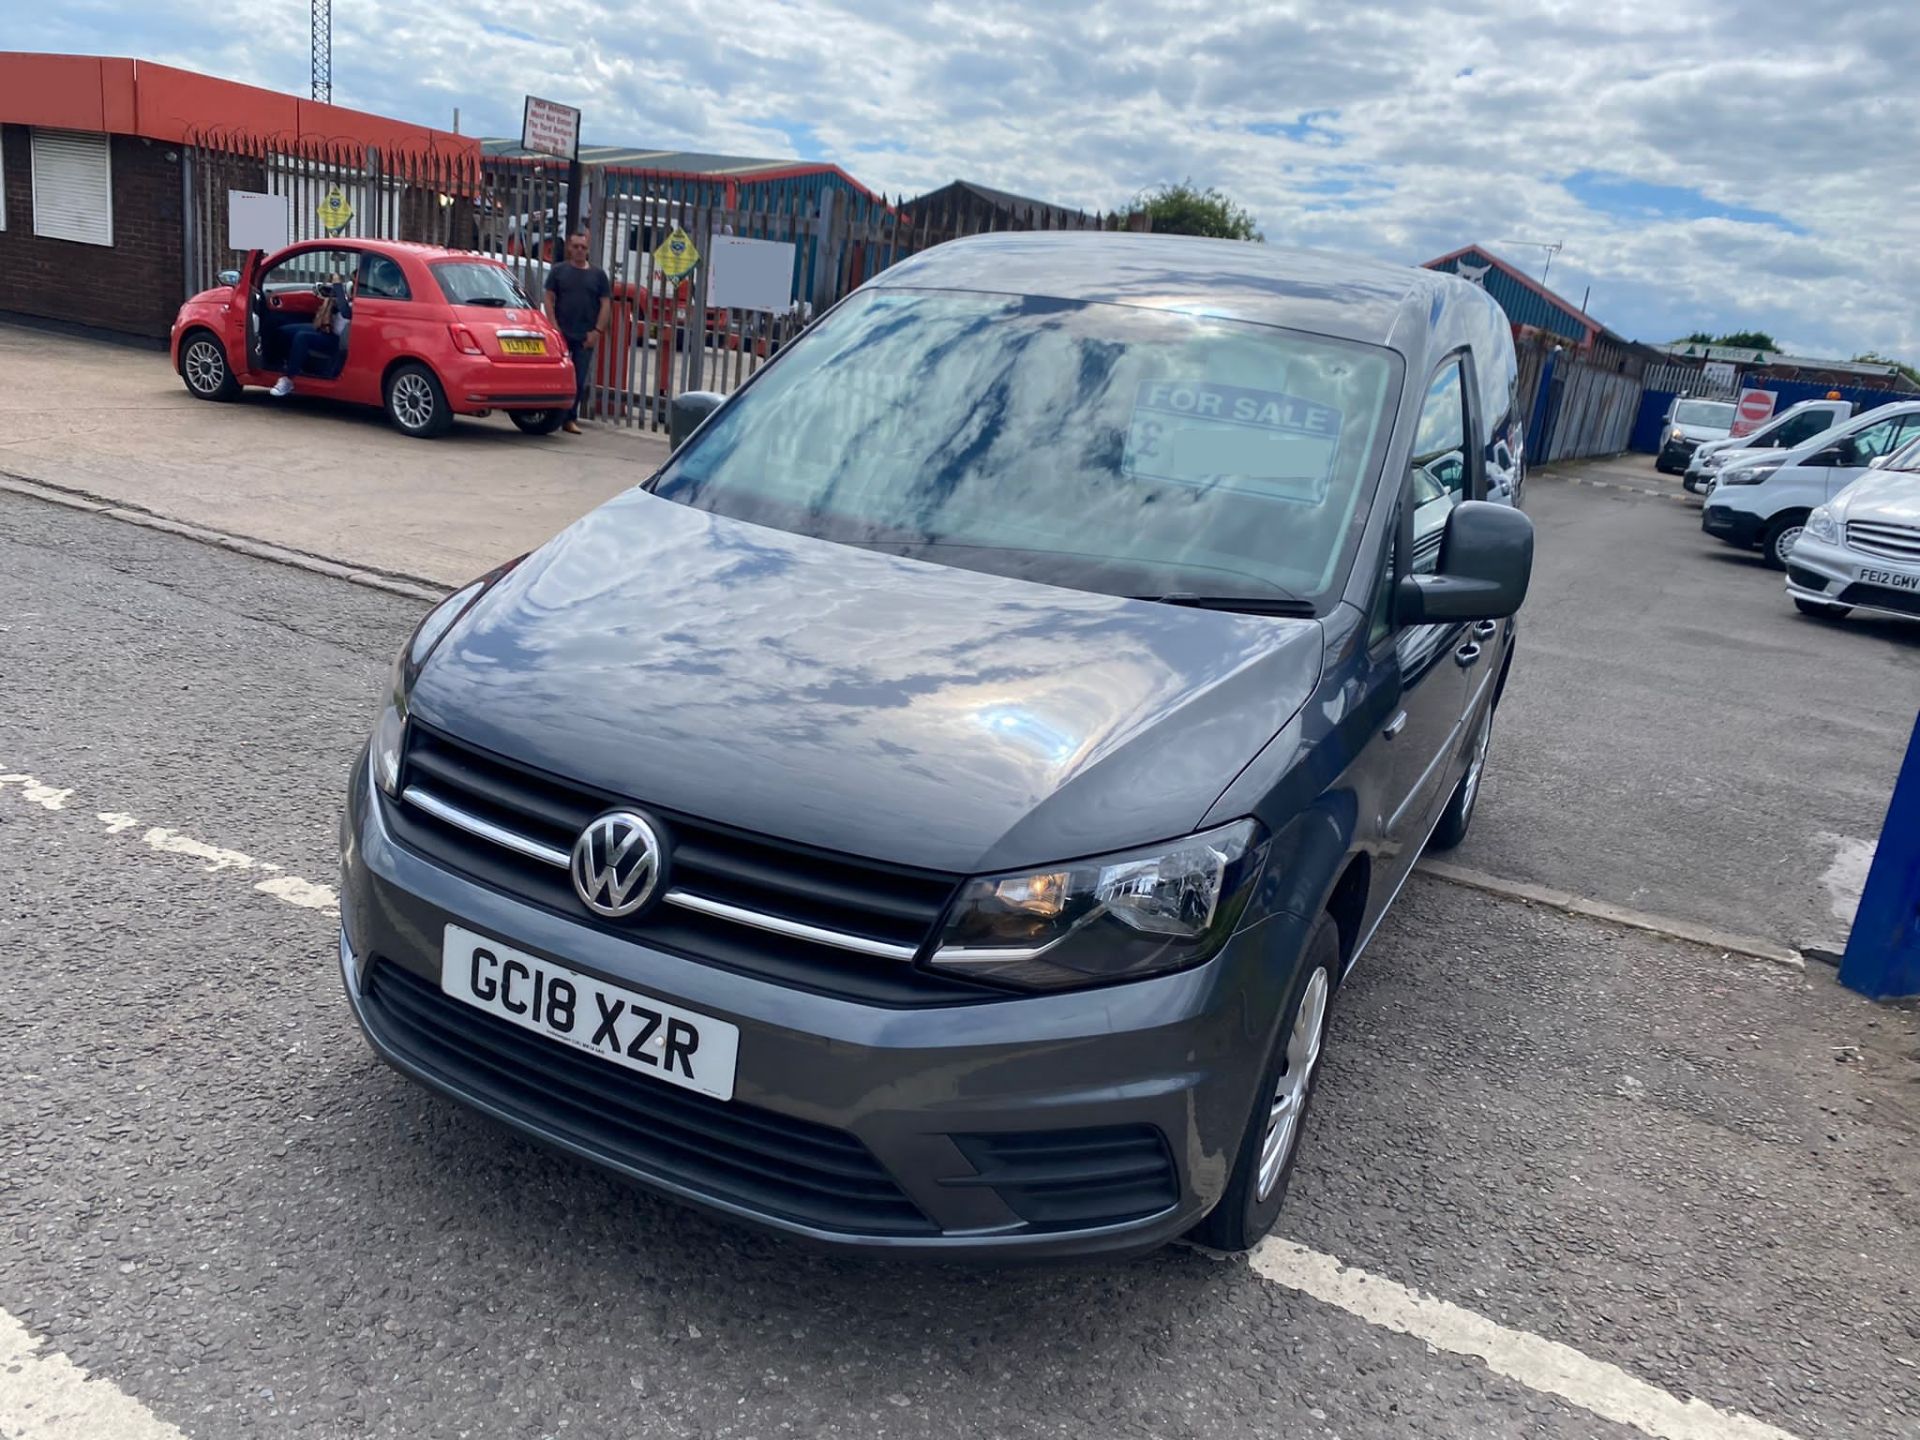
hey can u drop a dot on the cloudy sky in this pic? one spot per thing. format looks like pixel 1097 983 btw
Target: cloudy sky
pixel 1708 164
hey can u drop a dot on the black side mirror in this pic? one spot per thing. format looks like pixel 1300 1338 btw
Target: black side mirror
pixel 688 412
pixel 1486 562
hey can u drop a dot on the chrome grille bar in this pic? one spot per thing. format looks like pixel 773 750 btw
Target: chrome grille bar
pixel 474 825
pixel 1892 542
pixel 431 804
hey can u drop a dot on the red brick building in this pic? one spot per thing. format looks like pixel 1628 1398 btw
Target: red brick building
pixel 94 196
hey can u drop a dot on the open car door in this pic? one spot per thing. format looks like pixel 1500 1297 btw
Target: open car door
pixel 247 296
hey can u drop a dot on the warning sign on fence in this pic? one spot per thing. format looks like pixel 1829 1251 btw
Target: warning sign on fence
pixel 334 210
pixel 675 256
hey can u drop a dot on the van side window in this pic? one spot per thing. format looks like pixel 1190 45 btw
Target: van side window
pixel 1802 428
pixel 1440 442
pixel 1437 482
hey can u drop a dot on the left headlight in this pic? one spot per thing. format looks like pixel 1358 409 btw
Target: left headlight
pixel 1821 525
pixel 390 730
pixel 1116 917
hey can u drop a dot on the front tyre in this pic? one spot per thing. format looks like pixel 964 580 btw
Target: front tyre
pixel 1779 540
pixel 1263 1165
pixel 204 367
pixel 416 404
pixel 537 422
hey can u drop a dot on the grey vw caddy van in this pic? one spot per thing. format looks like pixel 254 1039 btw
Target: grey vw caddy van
pixel 935 812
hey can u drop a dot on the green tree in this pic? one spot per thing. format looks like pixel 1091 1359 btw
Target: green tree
pixel 1748 340
pixel 1185 209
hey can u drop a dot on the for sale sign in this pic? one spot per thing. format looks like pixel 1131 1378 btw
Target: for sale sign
pixel 1756 408
pixel 550 128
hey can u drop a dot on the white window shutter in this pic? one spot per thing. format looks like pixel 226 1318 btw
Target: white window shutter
pixel 72 187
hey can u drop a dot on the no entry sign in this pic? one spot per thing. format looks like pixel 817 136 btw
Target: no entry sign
pixel 1756 408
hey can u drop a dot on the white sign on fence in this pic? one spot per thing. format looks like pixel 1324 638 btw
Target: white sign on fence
pixel 750 274
pixel 258 221
pixel 550 128
pixel 1720 375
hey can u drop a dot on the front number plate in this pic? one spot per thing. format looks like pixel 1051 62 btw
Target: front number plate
pixel 622 1026
pixel 1892 579
pixel 522 345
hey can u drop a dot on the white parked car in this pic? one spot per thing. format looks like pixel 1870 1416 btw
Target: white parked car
pixel 1792 427
pixel 1861 550
pixel 1765 497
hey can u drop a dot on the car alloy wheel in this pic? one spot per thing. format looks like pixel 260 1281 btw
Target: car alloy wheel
pixel 205 366
pixel 1783 542
pixel 1470 786
pixel 413 401
pixel 1290 1093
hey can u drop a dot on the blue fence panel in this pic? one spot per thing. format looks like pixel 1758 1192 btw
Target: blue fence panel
pixel 1651 420
pixel 1788 393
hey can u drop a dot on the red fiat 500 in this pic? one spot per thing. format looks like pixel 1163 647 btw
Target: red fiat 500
pixel 428 334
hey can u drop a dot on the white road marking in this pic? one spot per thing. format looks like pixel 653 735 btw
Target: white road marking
pixel 1846 875
pixel 48 1397
pixel 214 859
pixel 45 1396
pixel 1543 1365
pixel 45 796
pixel 295 891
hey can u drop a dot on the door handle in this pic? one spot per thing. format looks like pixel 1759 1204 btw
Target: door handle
pixel 1395 725
pixel 1486 629
pixel 1467 654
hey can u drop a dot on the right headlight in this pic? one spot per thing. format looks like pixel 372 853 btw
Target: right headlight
pixel 1748 474
pixel 1822 526
pixel 1117 917
pixel 390 729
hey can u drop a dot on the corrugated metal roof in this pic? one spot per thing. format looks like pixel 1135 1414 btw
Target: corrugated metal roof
pixel 1526 301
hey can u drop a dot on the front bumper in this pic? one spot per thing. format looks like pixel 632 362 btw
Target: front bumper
pixel 1736 527
pixel 1838 575
pixel 931 1095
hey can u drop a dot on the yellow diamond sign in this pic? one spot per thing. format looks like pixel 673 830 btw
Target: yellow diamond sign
pixel 675 256
pixel 334 210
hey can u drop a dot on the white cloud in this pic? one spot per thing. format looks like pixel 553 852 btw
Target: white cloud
pixel 1432 127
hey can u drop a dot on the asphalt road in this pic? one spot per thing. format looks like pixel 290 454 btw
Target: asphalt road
pixel 213 1197
pixel 1677 738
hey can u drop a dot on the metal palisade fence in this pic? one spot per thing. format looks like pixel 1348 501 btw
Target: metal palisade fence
pixel 333 189
pixel 667 336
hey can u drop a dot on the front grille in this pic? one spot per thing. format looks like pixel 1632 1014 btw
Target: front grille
pixel 853 925
pixel 1881 597
pixel 771 1163
pixel 1069 1179
pixel 1890 542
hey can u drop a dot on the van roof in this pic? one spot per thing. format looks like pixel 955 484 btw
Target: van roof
pixel 1397 306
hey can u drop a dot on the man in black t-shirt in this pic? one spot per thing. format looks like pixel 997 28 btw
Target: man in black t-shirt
pixel 579 298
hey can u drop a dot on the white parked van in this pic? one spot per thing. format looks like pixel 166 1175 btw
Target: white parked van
pixel 1793 426
pixel 1861 550
pixel 1764 497
pixel 1691 423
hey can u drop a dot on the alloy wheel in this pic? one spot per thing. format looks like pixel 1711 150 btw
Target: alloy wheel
pixel 1478 765
pixel 206 367
pixel 1783 542
pixel 413 401
pixel 1290 1094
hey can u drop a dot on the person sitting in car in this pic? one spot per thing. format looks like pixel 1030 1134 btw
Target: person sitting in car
pixel 323 337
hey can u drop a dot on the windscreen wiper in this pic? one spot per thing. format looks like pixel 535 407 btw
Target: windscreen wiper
pixel 1247 604
pixel 498 302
